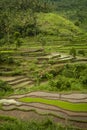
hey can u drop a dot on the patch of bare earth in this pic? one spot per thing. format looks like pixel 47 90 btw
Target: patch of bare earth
pixel 31 115
pixel 46 109
pixel 66 97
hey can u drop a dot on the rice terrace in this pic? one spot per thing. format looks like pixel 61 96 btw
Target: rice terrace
pixel 43 65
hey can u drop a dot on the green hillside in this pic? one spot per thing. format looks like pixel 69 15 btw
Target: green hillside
pixel 50 23
pixel 31 18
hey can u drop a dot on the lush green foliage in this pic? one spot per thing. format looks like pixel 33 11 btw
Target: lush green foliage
pixel 75 10
pixel 21 17
pixel 13 124
pixel 72 77
pixel 6 58
pixel 5 89
pixel 4 86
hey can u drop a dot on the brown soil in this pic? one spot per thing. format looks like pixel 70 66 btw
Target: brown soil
pixel 30 115
pixel 66 97
pixel 43 108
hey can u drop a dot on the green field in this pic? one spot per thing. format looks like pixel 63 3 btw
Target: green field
pixel 78 107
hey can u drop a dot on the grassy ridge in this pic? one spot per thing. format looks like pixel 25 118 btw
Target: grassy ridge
pixel 80 107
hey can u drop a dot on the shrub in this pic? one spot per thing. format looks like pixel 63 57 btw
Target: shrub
pixel 73 52
pixel 83 80
pixel 16 72
pixel 4 86
pixel 10 60
pixel 82 52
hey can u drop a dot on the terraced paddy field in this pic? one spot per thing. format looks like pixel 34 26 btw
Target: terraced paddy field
pixel 68 108
pixel 29 63
pixel 43 64
pixel 61 104
pixel 39 99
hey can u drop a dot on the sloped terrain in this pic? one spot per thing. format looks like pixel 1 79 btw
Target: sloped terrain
pixel 54 24
pixel 43 63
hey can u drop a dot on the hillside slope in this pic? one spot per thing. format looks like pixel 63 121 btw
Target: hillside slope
pixel 54 24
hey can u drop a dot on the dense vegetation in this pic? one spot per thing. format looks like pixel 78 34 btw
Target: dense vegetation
pixel 13 124
pixel 72 77
pixel 19 19
pixel 69 78
pixel 5 89
pixel 75 10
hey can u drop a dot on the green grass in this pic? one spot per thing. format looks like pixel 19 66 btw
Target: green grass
pixel 62 104
pixel 7 118
pixel 11 123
